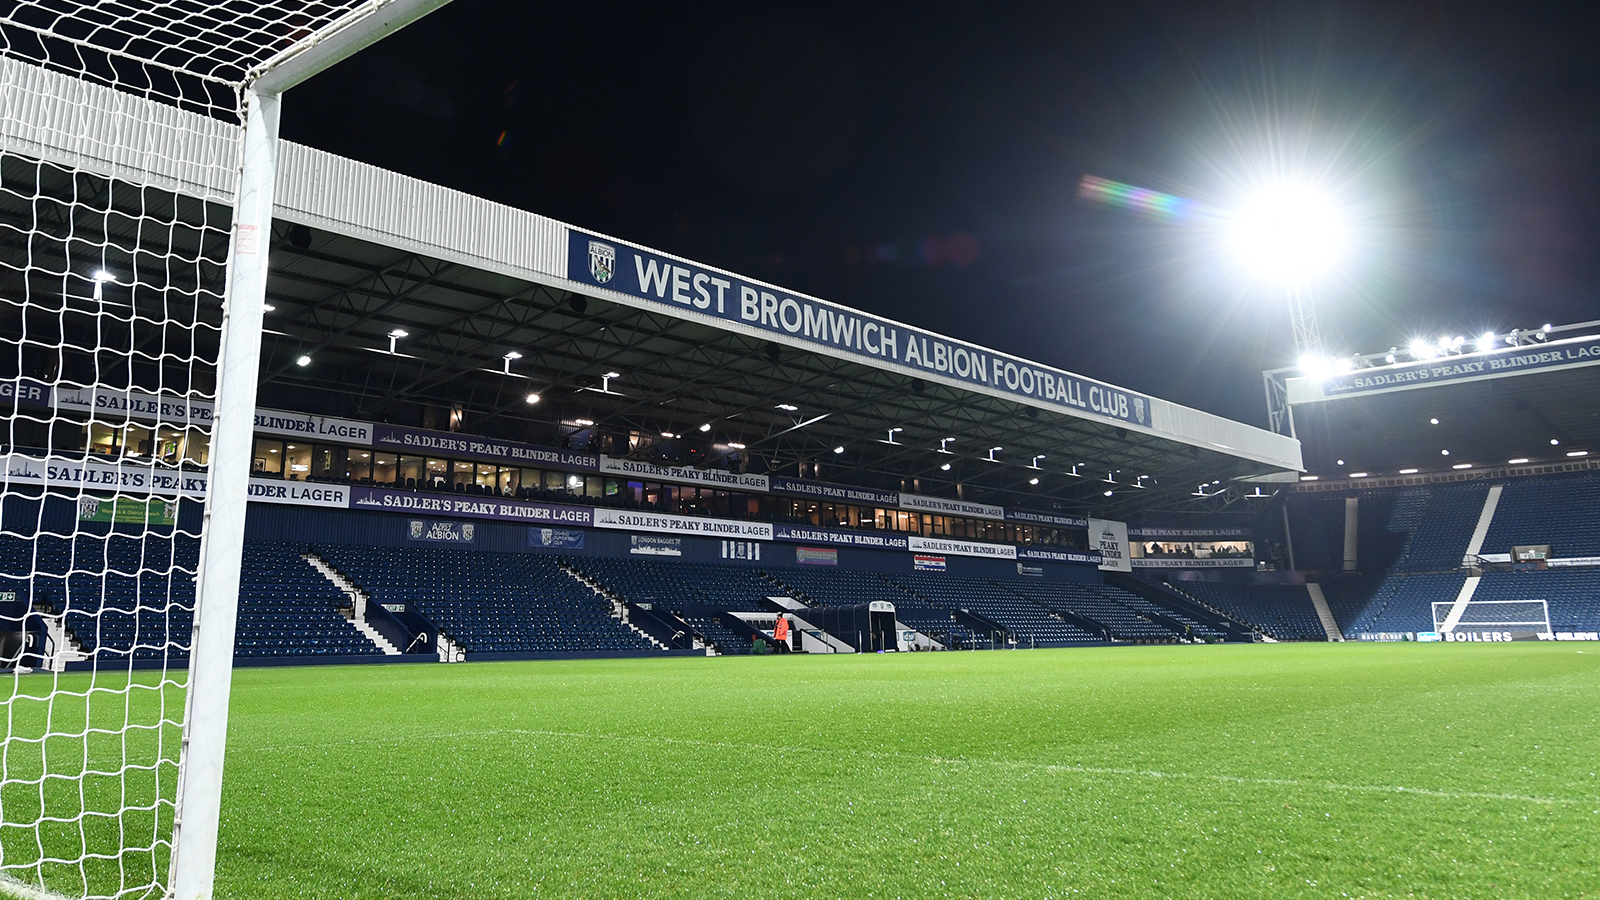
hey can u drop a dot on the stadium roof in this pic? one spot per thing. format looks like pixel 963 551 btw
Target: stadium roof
pixel 1534 401
pixel 358 252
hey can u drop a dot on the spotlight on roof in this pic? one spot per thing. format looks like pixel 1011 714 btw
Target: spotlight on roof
pixel 705 427
pixel 532 398
pixel 1420 349
pixel 101 276
pixel 1107 493
pixel 735 445
pixel 945 467
pixel 839 449
pixel 1314 366
pixel 395 335
pixel 512 354
pixel 584 422
pixel 303 361
pixel 1288 233
pixel 1033 481
pixel 787 407
pixel 1486 341
pixel 1390 356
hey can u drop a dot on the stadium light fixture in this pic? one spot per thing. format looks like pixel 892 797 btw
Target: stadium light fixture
pixel 394 337
pixel 1035 463
pixel 303 361
pixel 1577 453
pixel 506 360
pixel 1340 462
pixel 1315 365
pixel 1462 466
pixel 1288 233
pixel 787 407
pixel 1344 365
pixel 268 307
pixel 945 467
pixel 1517 462
pixel 1358 474
pixel 943 442
pixel 1107 494
pixel 1034 480
pixel 890 439
pixel 735 445
pixel 1555 442
pixel 1487 340
pixel 706 427
pixel 1390 356
pixel 1308 478
pixel 1433 421
pixel 839 449
pixel 532 399
pixel 587 423
pixel 1420 349
pixel 1408 471
pixel 668 435
pixel 1444 452
pixel 992 452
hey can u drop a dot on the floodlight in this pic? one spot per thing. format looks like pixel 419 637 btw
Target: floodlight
pixel 1345 364
pixel 943 442
pixel 1518 461
pixel 303 361
pixel 1315 366
pixel 1419 349
pixel 1433 421
pixel 1288 233
pixel 1444 452
pixel 512 354
pixel 1555 442
pixel 1033 480
pixel 705 427
pixel 945 467
pixel 1108 493
pixel 532 398
pixel 396 335
pixel 736 446
pixel 101 276
pixel 1462 466
pixel 1035 463
pixel 839 449
pixel 668 435
pixel 787 407
pixel 1577 453
pixel 1358 474
pixel 1408 471
pixel 584 422
pixel 268 307
pixel 1486 341
pixel 1389 358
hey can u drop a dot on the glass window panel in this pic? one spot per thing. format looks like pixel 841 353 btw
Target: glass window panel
pixel 268 457
pixel 298 459
pixel 384 468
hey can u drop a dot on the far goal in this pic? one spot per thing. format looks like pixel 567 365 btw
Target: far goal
pixel 1494 615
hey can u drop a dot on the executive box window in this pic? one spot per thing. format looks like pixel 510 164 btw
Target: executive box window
pixel 268 458
pixel 297 461
pixel 360 466
pixel 385 468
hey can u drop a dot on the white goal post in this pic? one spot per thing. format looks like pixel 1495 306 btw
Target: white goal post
pixel 1522 616
pixel 138 159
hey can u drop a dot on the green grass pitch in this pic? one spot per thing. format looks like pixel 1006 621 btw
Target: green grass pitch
pixel 1311 770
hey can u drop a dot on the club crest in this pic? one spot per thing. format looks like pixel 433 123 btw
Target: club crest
pixel 602 261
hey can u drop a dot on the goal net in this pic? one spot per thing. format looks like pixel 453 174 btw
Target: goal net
pixel 1494 615
pixel 137 156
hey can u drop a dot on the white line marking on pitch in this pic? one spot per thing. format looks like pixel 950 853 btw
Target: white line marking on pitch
pixel 975 761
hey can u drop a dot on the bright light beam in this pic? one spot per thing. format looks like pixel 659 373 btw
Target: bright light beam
pixel 1289 234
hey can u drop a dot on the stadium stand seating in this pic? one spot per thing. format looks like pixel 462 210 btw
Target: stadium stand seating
pixel 490 602
pixel 1026 622
pixel 827 586
pixel 1555 510
pixel 1404 602
pixel 1572 595
pixel 1095 603
pixel 1445 528
pixel 1283 611
pixel 121 596
pixel 288 608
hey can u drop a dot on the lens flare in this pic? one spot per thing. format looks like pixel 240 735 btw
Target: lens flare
pixel 1147 203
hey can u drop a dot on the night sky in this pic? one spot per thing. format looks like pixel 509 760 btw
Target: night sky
pixel 922 160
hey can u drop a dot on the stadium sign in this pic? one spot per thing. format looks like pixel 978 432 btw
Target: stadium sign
pixel 1577 352
pixel 1189 562
pixel 293 424
pixel 300 493
pixel 556 538
pixel 441 532
pixel 504 510
pixel 1053 519
pixel 837 493
pixel 628 520
pixel 1066 556
pixel 961 548
pixel 870 540
pixel 951 507
pixel 755 306
pixel 1111 538
pixel 132 404
pixel 417 440
pixel 125 477
pixel 1186 533
pixel 633 468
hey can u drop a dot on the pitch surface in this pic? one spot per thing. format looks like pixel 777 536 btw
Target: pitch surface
pixel 1240 771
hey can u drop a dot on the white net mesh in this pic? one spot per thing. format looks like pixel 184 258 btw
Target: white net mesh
pixel 1495 615
pixel 119 158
